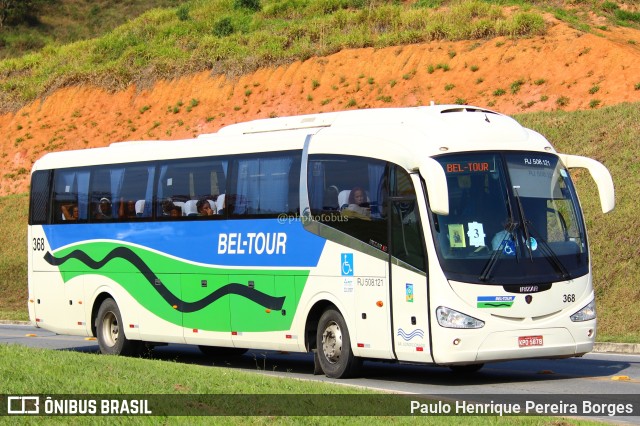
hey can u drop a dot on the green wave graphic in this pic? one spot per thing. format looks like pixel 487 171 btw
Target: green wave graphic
pixel 494 304
pixel 178 288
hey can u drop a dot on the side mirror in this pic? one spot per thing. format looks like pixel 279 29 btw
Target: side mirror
pixel 436 181
pixel 599 173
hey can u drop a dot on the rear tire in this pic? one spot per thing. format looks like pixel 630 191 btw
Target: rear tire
pixel 334 347
pixel 110 331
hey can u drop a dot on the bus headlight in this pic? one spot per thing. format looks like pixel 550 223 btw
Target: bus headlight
pixel 585 314
pixel 451 318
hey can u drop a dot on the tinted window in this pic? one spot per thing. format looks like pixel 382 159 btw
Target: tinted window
pixel 407 242
pixel 264 185
pixel 70 191
pixel 121 192
pixel 350 194
pixel 39 202
pixel 185 186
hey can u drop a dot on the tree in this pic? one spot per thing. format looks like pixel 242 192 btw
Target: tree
pixel 18 11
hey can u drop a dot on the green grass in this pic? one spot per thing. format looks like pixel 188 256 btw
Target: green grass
pixel 28 371
pixel 67 21
pixel 210 35
pixel 113 44
pixel 610 135
pixel 13 257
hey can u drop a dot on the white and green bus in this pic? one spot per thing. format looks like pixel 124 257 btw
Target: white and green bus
pixel 443 234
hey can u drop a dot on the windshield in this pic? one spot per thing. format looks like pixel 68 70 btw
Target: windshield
pixel 513 218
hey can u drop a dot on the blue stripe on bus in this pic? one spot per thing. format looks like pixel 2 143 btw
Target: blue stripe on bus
pixel 260 242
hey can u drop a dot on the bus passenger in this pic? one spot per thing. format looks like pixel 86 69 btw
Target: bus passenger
pixel 358 202
pixel 104 209
pixel 127 209
pixel 168 207
pixel 70 211
pixel 204 208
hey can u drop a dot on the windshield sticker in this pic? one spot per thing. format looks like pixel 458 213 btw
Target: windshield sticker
pixel 563 173
pixel 456 235
pixel 476 234
pixel 509 248
pixel 409 292
pixel 532 244
pixel 495 301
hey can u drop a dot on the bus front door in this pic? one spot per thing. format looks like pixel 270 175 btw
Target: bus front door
pixel 408 282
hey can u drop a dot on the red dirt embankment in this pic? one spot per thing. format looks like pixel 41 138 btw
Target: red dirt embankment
pixel 565 69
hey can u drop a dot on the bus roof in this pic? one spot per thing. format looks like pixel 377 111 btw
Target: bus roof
pixel 427 130
pixel 400 135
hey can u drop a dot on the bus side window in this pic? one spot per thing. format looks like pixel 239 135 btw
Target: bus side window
pixel 407 242
pixel 69 195
pixel 182 183
pixel 349 194
pixel 132 189
pixel 39 205
pixel 264 185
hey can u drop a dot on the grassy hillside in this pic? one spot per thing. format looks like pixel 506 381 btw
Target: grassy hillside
pixel 58 22
pixel 610 135
pixel 238 36
pixel 13 257
pixel 227 37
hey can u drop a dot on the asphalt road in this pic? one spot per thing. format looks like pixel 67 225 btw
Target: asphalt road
pixel 596 375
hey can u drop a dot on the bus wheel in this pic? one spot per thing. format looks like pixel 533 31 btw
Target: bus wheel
pixel 110 331
pixel 221 351
pixel 334 346
pixel 466 369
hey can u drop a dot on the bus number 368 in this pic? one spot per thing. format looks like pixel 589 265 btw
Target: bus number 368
pixel 38 244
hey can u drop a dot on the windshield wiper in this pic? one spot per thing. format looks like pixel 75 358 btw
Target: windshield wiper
pixel 493 261
pixel 525 228
pixel 549 254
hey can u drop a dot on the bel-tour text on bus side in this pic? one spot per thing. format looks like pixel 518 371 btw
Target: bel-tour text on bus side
pixel 252 243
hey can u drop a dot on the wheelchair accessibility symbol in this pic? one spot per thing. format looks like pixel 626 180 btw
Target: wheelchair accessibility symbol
pixel 347 264
pixel 509 248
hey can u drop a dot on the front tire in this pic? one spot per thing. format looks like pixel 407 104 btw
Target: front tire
pixel 110 331
pixel 334 347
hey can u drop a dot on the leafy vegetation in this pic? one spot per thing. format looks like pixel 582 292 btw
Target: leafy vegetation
pixel 240 37
pixel 31 25
pixel 610 135
pixel 13 12
pixel 112 44
pixel 13 257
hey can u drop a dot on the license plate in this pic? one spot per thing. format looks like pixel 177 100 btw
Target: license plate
pixel 526 341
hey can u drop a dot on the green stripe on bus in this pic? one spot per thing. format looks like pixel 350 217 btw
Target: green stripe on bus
pixel 190 295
